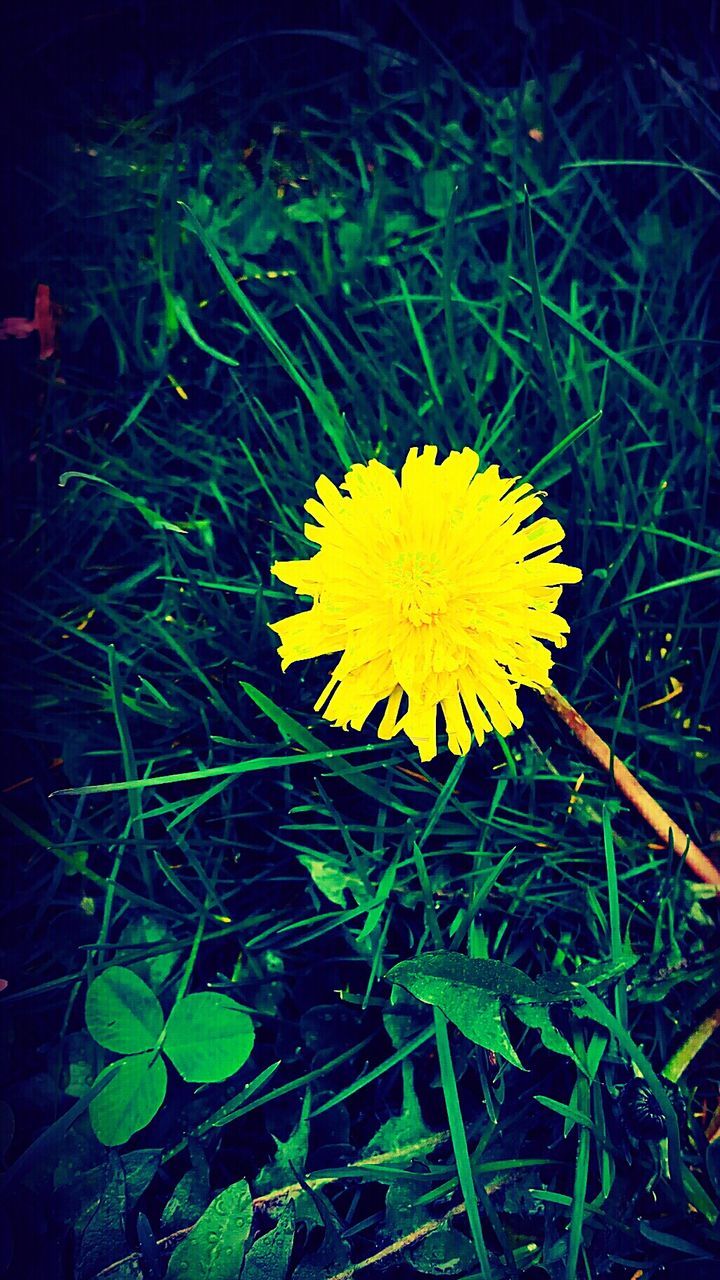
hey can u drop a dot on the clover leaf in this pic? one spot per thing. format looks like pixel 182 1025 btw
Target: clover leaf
pixel 122 1013
pixel 131 1098
pixel 207 1037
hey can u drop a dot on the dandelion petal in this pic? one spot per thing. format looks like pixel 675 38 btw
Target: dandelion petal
pixel 437 589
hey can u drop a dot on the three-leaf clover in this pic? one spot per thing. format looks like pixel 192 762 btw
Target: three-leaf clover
pixel 207 1037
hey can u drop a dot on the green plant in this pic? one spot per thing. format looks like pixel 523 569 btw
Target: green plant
pixel 207 1037
pixel 263 279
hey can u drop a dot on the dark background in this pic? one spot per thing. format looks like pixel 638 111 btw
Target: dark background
pixel 63 64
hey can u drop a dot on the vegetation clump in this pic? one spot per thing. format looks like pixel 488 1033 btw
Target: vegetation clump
pixel 285 1001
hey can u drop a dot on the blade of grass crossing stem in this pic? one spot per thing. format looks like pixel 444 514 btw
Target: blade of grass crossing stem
pixel 576 356
pixel 234 1109
pixel 616 945
pixel 293 731
pixel 459 1141
pixel 129 767
pixel 501 1234
pixel 190 962
pixel 248 766
pixel 341 367
pixel 556 390
pixel 582 1164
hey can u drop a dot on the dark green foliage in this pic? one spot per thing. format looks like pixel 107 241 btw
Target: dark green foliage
pixel 462 245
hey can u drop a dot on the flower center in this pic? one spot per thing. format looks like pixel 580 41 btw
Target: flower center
pixel 420 593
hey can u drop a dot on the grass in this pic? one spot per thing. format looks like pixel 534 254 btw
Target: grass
pixel 377 250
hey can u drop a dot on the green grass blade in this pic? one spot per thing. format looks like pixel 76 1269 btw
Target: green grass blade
pixel 459 1141
pixel 419 337
pixel 616 942
pixel 582 1165
pixel 321 400
pixel 640 379
pixel 129 767
pixel 556 390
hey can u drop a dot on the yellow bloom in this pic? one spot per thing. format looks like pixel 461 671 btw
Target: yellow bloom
pixel 435 591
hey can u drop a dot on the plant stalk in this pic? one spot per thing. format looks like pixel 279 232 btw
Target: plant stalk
pixel 662 824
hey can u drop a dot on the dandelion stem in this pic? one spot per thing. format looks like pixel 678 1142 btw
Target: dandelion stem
pixel 648 808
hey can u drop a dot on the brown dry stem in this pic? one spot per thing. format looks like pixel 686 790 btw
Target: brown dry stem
pixel 653 813
pixel 294 1189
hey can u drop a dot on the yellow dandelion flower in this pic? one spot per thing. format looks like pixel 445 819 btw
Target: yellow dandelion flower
pixel 435 591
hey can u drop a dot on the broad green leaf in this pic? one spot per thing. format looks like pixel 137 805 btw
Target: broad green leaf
pixel 557 988
pixel 650 229
pixel 490 976
pixel 140 1168
pixel 269 1257
pixel 561 78
pixel 252 228
pixel 215 1248
pixel 80 1184
pixel 208 1037
pixel 334 881
pixel 403 1214
pixel 603 970
pixel 468 992
pixel 78 1187
pixel 80 1063
pixel 318 208
pixel 538 1016
pixel 122 1013
pixel 405 1130
pixel 130 1100
pixel 437 188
